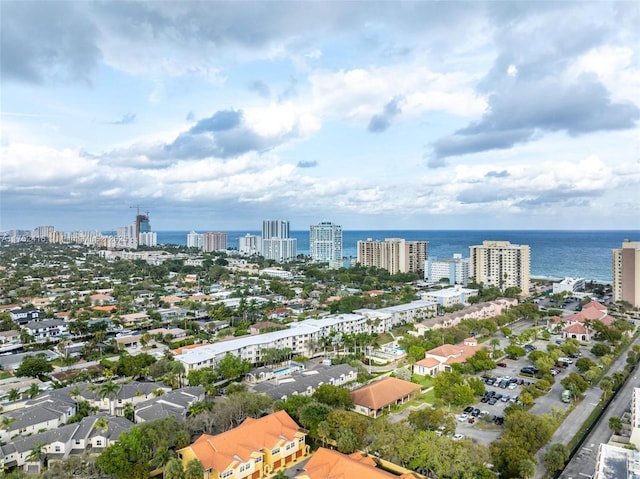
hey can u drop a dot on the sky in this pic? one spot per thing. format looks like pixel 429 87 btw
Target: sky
pixel 373 115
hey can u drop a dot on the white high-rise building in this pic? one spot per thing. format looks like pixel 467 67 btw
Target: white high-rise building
pixel 148 239
pixel 455 269
pixel 195 240
pixel 325 242
pixel 626 273
pixel 250 244
pixel 276 243
pixel 501 264
pixel 275 229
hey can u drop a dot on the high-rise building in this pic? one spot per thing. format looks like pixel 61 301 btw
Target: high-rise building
pixel 501 264
pixel 275 229
pixel 276 243
pixel 148 239
pixel 325 242
pixel 396 255
pixel 626 273
pixel 142 224
pixel 195 240
pixel 214 241
pixel 250 244
pixel 455 269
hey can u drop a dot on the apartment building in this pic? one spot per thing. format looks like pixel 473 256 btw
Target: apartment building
pixel 255 449
pixel 626 273
pixel 325 242
pixel 455 269
pixel 501 264
pixel 396 255
pixel 214 241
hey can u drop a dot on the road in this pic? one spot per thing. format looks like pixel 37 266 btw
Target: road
pixel 584 462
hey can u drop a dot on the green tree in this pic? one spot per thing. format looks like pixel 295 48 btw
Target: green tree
pixel 334 396
pixel 194 470
pixel 481 361
pixel 293 404
pixel 527 468
pixel 601 349
pixel 516 351
pixel 615 424
pixel 584 364
pixel 173 469
pixel 231 367
pixel 313 414
pixel 555 458
pixel 34 366
pixel 575 383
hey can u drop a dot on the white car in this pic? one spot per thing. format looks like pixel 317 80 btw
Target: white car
pixel 463 417
pixel 512 386
pixel 458 437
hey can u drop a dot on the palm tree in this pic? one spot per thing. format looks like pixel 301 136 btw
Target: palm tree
pixel 173 469
pixel 161 457
pixel 34 390
pixel 107 391
pixel 14 395
pixel 194 470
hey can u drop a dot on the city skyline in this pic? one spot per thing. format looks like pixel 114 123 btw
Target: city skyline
pixel 385 115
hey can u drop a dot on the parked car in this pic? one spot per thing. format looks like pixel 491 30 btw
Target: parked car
pixel 458 437
pixel 502 365
pixel 463 417
pixel 468 409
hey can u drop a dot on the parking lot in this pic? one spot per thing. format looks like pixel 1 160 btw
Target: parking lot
pixel 507 381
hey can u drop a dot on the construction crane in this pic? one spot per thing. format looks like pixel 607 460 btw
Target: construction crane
pixel 137 207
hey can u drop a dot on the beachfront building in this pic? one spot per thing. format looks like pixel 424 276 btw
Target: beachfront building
pixel 396 255
pixel 626 273
pixel 455 269
pixel 276 243
pixel 250 244
pixel 501 264
pixel 325 242
pixel 569 285
pixel 214 241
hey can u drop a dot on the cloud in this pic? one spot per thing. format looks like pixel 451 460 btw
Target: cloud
pixel 497 174
pixel 307 164
pixel 126 119
pixel 220 121
pixel 48 41
pixel 382 122
pixel 260 87
pixel 520 110
pixel 190 116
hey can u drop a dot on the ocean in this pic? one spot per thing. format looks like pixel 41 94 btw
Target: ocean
pixel 554 253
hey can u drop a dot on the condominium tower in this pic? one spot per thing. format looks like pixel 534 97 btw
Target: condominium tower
pixel 214 241
pixel 396 255
pixel 626 273
pixel 325 242
pixel 501 264
pixel 276 243
pixel 455 269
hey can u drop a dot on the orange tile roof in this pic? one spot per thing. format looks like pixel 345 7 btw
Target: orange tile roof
pixel 328 464
pixel 428 362
pixel 576 328
pixel 379 394
pixel 239 444
pixel 189 346
pixel 109 308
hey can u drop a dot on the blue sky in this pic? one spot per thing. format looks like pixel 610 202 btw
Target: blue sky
pixel 373 115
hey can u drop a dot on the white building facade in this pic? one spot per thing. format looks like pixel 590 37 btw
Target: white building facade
pixel 325 242
pixel 455 269
pixel 501 264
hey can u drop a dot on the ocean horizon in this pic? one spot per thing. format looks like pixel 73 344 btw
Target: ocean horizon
pixel 555 254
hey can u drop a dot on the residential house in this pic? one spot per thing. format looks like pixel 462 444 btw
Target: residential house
pixel 100 299
pixel 489 309
pixel 441 358
pixel 91 435
pixel 9 337
pixel 174 403
pixel 47 411
pixel 326 463
pixel 255 449
pixel 304 382
pixel 24 316
pixel 46 329
pixel 372 399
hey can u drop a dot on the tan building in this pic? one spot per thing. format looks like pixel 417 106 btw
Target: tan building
pixel 501 264
pixel 626 273
pixel 396 255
